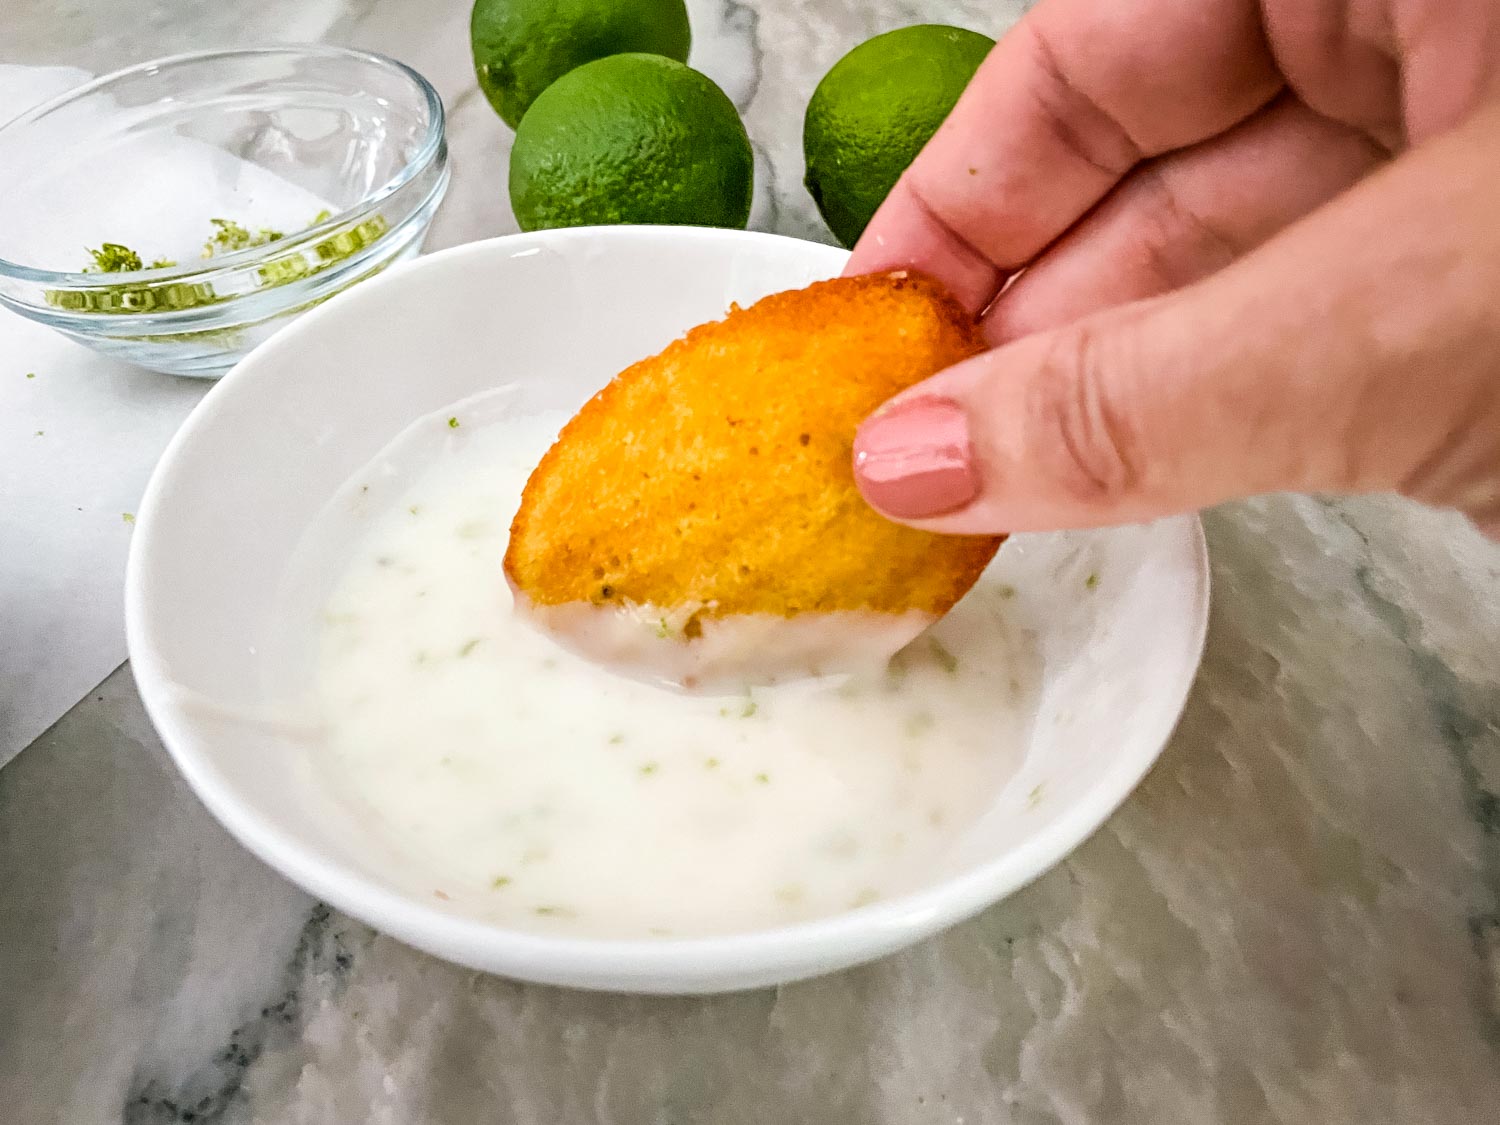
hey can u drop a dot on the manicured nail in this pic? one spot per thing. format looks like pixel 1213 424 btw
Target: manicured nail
pixel 915 460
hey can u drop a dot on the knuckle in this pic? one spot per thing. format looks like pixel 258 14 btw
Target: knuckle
pixel 1081 439
pixel 1177 243
pixel 1077 121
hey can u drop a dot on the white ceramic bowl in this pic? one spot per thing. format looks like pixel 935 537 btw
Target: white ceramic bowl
pixel 1117 617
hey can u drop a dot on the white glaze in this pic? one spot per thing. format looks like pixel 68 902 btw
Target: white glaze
pixel 546 792
pixel 729 652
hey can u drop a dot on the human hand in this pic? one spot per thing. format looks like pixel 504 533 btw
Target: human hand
pixel 1237 257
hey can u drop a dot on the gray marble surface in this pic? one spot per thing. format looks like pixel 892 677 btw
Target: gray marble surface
pixel 1294 919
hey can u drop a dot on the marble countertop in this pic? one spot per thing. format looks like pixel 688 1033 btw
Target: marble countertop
pixel 1294 919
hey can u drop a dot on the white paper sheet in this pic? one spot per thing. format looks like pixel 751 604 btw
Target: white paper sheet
pixel 79 435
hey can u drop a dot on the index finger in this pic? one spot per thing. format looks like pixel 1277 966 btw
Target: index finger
pixel 1066 104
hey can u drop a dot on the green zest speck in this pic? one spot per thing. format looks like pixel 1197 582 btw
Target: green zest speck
pixel 230 236
pixel 763 779
pixel 1092 582
pixel 453 423
pixel 616 739
pixel 942 655
pixel 710 763
pixel 499 881
pixel 749 709
pixel 128 517
pixel 648 769
pixel 113 258
pixel 469 647
pixel 31 374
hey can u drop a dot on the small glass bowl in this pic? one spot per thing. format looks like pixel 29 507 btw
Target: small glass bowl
pixel 249 185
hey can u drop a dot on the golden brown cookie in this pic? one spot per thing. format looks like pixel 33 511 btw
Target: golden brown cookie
pixel 712 485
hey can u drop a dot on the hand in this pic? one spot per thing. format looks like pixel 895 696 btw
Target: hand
pixel 1236 257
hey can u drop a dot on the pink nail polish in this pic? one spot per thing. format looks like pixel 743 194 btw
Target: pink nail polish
pixel 915 459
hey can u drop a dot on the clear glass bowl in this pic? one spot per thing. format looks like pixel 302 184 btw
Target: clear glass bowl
pixel 251 184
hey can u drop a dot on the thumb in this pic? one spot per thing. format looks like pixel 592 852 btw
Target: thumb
pixel 1359 350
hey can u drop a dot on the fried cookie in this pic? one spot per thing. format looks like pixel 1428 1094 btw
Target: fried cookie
pixel 698 519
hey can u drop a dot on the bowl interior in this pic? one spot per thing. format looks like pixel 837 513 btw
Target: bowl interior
pixel 1115 618
pixel 267 138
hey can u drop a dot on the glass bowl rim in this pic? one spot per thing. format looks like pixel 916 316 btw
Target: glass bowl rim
pixel 430 148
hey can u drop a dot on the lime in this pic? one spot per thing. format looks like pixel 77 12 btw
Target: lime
pixel 631 139
pixel 523 46
pixel 873 112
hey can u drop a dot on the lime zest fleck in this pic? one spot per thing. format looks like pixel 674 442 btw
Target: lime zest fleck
pixel 128 517
pixel 1092 581
pixel 554 912
pixel 453 423
pixel 500 881
pixel 31 374
pixel 616 738
pixel 111 257
pixel 763 778
pixel 230 236
pixel 469 646
pixel 1034 798
pixel 943 655
pixel 749 709
pixel 710 763
pixel 40 432
pixel 648 768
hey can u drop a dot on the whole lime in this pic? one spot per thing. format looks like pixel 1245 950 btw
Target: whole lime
pixel 631 139
pixel 523 46
pixel 873 112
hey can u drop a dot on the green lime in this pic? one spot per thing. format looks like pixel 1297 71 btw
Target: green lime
pixel 873 112
pixel 523 46
pixel 631 139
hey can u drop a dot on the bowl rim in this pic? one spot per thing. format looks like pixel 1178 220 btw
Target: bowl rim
pixel 431 148
pixel 692 965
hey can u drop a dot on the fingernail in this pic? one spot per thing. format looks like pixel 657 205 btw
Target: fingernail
pixel 915 460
